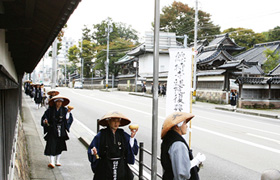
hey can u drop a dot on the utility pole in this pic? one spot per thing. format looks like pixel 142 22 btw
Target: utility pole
pixel 195 47
pixel 54 63
pixel 82 62
pixel 135 64
pixel 109 30
pixel 155 91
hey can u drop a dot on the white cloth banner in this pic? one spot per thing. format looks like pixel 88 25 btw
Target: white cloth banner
pixel 179 81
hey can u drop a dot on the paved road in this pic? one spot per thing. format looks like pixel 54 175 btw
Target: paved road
pixel 237 146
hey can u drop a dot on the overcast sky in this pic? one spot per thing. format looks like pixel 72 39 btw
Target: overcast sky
pixel 257 15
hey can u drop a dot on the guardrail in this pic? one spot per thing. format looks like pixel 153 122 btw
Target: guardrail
pixel 141 162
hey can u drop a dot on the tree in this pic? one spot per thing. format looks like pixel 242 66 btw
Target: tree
pixel 274 34
pixel 119 30
pixel 86 33
pixel 118 49
pixel 245 37
pixel 122 38
pixel 88 50
pixel 59 38
pixel 73 54
pixel 272 61
pixel 179 18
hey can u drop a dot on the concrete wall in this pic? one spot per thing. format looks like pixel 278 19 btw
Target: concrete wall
pixel 146 64
pixel 5 56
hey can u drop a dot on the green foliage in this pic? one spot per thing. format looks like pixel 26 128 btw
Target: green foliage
pixel 73 54
pixel 88 50
pixel 118 49
pixel 179 18
pixel 86 33
pixel 274 34
pixel 119 30
pixel 245 37
pixel 272 61
pixel 59 38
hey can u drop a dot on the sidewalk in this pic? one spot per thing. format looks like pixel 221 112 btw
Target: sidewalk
pixel 75 165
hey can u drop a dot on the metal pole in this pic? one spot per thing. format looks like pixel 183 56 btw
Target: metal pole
pixel 65 72
pixel 82 62
pixel 97 125
pixel 107 60
pixel 195 45
pixel 136 76
pixel 92 77
pixel 54 63
pixel 141 157
pixel 185 41
pixel 155 94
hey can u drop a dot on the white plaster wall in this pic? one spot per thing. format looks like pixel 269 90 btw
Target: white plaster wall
pixel 146 64
pixel 5 56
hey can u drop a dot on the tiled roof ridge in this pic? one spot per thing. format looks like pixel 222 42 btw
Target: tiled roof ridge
pixel 274 69
pixel 212 56
pixel 221 35
pixel 267 43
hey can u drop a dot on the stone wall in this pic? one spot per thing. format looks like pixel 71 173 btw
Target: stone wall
pixel 260 104
pixel 21 169
pixel 212 96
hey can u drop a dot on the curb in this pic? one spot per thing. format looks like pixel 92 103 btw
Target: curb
pixel 138 94
pixel 249 112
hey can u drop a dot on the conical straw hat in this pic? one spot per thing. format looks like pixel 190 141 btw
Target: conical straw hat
pixel 53 91
pixel 64 103
pixel 173 119
pixel 114 114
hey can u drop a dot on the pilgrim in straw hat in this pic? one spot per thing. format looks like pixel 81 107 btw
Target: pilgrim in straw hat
pixel 53 92
pixel 174 119
pixel 65 100
pixel 114 148
pixel 114 114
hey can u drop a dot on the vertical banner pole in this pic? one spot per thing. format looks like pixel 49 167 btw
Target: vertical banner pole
pixel 155 90
pixel 191 97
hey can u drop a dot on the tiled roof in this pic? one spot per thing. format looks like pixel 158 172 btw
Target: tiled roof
pixel 125 59
pixel 254 70
pixel 274 80
pixel 256 54
pixel 210 72
pixel 231 64
pixel 251 80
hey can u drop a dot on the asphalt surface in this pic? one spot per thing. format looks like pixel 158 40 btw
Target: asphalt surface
pixel 237 145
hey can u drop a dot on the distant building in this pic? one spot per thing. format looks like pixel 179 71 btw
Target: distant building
pixel 140 61
pixel 62 59
pixel 256 89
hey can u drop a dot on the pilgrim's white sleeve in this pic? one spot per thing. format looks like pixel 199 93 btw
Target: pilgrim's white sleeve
pixel 179 156
pixel 67 115
pixel 131 141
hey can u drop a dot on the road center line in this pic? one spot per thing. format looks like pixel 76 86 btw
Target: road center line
pixel 277 134
pixel 265 138
pixel 239 140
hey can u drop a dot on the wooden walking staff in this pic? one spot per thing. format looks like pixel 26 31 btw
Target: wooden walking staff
pixel 191 97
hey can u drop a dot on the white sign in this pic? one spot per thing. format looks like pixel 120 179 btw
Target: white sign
pixel 179 81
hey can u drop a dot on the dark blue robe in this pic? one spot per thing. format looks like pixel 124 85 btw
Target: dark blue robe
pixel 56 140
pixel 128 154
